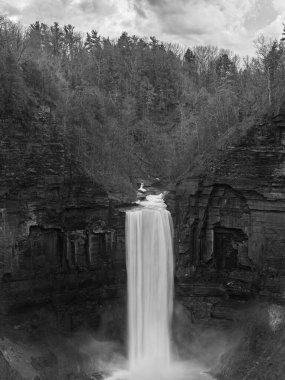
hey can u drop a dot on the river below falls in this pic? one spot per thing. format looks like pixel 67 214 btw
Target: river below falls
pixel 175 371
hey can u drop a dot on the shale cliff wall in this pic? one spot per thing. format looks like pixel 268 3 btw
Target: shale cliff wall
pixel 62 250
pixel 230 228
pixel 61 238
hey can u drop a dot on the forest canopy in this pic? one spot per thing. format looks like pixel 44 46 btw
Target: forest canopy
pixel 135 106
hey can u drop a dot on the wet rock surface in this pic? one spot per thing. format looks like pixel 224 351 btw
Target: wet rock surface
pixel 62 240
pixel 230 227
pixel 230 263
pixel 62 253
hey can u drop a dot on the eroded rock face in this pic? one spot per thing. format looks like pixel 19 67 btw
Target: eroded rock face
pixel 230 228
pixel 61 237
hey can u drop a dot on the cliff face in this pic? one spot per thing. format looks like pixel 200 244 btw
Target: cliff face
pixel 62 251
pixel 61 238
pixel 230 228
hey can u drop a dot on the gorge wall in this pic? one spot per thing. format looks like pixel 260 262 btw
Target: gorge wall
pixel 62 257
pixel 230 228
pixel 62 238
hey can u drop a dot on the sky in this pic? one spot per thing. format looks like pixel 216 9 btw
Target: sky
pixel 228 24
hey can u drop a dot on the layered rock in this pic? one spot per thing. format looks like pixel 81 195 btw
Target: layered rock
pixel 61 237
pixel 230 227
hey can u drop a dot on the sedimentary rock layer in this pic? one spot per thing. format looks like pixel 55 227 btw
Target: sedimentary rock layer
pixel 230 227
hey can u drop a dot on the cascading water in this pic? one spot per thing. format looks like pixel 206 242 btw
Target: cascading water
pixel 150 285
pixel 149 243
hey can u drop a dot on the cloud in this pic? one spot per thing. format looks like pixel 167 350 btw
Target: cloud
pixel 217 22
pixel 140 12
pixel 11 10
pixel 97 7
pixel 272 30
pixel 83 14
pixel 279 5
pixel 230 24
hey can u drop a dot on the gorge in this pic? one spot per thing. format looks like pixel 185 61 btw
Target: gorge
pixel 63 264
pixel 181 279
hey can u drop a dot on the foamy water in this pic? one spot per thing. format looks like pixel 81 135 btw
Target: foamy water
pixel 149 243
pixel 175 371
pixel 150 286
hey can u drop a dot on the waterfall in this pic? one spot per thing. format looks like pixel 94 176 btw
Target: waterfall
pixel 149 235
pixel 149 244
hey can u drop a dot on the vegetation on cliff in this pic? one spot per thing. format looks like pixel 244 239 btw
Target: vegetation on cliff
pixel 259 350
pixel 134 106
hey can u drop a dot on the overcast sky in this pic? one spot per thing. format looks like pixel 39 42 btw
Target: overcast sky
pixel 231 24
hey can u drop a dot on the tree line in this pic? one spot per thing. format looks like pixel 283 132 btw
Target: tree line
pixel 135 106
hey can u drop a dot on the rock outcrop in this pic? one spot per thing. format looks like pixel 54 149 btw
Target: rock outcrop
pixel 62 249
pixel 230 228
pixel 61 237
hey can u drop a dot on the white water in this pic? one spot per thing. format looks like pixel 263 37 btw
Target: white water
pixel 150 286
pixel 149 242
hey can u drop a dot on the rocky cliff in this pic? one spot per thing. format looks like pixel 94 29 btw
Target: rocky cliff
pixel 62 251
pixel 61 237
pixel 230 227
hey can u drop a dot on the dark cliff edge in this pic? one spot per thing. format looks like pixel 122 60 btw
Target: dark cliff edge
pixel 62 254
pixel 230 247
